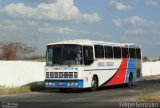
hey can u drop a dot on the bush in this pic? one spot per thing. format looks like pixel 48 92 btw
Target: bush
pixel 145 59
pixel 14 50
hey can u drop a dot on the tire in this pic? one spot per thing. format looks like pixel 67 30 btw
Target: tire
pixel 94 84
pixel 130 81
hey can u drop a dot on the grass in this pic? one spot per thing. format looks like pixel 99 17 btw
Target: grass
pixel 146 97
pixel 151 98
pixel 23 89
pixel 14 90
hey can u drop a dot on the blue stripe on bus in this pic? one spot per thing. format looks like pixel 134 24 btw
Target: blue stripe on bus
pixel 131 63
pixel 80 83
pixel 62 83
pixel 131 66
pixel 132 46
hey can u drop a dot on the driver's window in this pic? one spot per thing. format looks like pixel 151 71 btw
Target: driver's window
pixel 88 55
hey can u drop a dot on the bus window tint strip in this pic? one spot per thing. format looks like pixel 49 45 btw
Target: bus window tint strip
pixel 138 53
pixel 117 52
pixel 99 51
pixel 108 52
pixel 125 52
pixel 132 52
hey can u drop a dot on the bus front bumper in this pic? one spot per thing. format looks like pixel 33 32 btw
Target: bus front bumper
pixel 63 83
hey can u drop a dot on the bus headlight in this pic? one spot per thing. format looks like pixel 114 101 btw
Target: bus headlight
pixel 46 83
pixel 50 83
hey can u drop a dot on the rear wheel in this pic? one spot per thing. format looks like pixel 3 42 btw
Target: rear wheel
pixel 130 81
pixel 94 84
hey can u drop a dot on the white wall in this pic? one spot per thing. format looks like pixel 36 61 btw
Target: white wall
pixel 151 68
pixel 17 73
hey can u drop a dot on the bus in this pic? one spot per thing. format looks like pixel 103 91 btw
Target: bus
pixel 91 64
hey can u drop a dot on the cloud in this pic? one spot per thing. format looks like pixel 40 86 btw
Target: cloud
pixel 18 11
pixel 52 30
pixel 151 2
pixel 44 28
pixel 11 26
pixel 96 34
pixel 117 22
pixel 136 25
pixel 61 10
pixel 40 1
pixel 135 32
pixel 18 22
pixel 118 5
pixel 135 21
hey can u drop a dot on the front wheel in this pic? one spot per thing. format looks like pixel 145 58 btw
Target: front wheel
pixel 94 84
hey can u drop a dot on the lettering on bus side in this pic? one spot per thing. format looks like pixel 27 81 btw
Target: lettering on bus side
pixel 63 68
pixel 105 63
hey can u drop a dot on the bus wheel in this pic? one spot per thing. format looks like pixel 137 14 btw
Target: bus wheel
pixel 94 84
pixel 130 81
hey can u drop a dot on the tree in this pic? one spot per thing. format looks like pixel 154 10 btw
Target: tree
pixel 14 50
pixel 145 59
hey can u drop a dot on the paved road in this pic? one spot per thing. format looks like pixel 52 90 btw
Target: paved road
pixel 100 97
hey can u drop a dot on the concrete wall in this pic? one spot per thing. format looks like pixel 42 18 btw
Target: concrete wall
pixel 17 73
pixel 151 68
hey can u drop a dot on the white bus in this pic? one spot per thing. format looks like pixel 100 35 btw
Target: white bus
pixel 91 64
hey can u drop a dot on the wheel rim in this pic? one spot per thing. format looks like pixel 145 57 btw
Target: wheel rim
pixel 130 81
pixel 94 84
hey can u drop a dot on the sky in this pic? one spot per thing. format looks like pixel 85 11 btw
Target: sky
pixel 39 22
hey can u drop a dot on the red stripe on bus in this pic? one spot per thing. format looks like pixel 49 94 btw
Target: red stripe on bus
pixel 120 75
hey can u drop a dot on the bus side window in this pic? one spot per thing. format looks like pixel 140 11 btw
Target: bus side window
pixel 108 52
pixel 138 53
pixel 88 55
pixel 99 51
pixel 132 53
pixel 117 52
pixel 125 52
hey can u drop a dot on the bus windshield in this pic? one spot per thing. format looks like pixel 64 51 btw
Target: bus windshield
pixel 64 54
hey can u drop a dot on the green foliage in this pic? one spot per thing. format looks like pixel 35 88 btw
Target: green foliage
pixel 145 59
pixel 7 90
pixel 36 58
pixel 35 86
pixel 147 97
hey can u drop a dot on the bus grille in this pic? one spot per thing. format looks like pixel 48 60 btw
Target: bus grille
pixel 61 75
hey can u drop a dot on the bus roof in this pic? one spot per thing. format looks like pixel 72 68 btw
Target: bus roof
pixel 90 42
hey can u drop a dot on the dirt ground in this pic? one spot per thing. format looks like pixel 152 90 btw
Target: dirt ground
pixel 154 77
